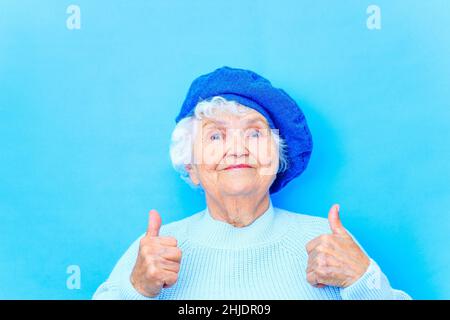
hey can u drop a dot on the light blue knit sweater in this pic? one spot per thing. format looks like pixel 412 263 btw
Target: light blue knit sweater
pixel 264 260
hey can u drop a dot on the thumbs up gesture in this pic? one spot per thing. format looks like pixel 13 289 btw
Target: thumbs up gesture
pixel 158 261
pixel 335 259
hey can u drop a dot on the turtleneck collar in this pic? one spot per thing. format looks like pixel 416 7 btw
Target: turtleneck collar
pixel 208 231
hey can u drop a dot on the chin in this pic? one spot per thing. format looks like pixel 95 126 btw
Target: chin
pixel 239 188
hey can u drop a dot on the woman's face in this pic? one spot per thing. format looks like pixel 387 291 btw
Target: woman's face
pixel 234 154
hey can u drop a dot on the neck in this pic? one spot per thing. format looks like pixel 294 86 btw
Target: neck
pixel 239 211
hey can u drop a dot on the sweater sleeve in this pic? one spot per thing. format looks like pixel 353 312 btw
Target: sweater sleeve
pixel 373 285
pixel 118 285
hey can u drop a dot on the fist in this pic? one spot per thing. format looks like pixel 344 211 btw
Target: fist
pixel 335 259
pixel 158 261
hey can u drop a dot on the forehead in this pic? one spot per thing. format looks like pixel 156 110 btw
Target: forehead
pixel 229 119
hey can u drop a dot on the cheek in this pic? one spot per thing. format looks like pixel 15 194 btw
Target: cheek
pixel 212 154
pixel 206 173
pixel 264 152
pixel 267 157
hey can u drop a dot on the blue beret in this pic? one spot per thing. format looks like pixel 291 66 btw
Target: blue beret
pixel 252 90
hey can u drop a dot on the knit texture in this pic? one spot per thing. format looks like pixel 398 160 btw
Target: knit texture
pixel 264 260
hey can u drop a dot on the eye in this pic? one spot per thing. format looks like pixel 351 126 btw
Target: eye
pixel 215 136
pixel 254 133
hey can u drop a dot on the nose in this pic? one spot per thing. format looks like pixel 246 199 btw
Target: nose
pixel 237 144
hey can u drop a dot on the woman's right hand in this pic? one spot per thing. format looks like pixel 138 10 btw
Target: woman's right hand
pixel 158 261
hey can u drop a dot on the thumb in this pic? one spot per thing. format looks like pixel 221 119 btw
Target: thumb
pixel 335 221
pixel 154 223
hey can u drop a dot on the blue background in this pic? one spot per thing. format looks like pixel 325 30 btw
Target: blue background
pixel 86 117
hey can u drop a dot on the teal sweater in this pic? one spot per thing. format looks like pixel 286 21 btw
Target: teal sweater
pixel 264 260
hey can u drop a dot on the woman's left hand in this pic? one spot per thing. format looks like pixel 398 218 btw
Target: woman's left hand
pixel 335 259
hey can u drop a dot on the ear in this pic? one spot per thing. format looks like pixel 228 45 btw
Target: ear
pixel 192 173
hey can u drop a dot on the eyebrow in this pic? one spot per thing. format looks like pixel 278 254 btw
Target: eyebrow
pixel 246 122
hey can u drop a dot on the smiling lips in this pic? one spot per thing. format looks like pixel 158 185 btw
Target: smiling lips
pixel 238 166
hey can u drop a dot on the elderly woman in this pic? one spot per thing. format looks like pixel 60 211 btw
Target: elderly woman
pixel 239 139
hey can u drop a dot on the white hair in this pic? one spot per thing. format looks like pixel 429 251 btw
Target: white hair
pixel 181 147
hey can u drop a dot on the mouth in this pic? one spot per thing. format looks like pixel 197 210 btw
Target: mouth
pixel 238 166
